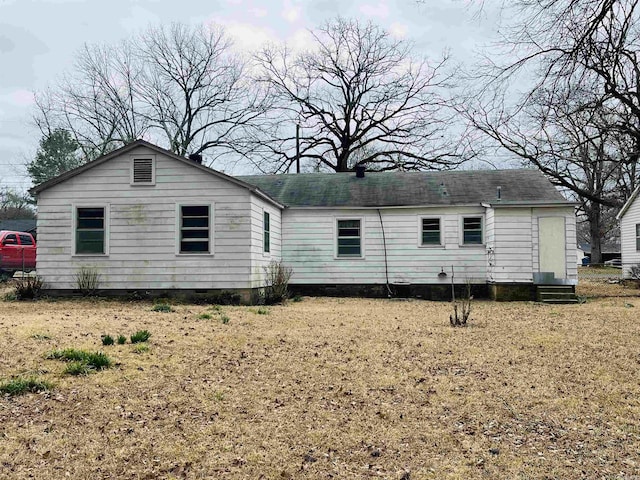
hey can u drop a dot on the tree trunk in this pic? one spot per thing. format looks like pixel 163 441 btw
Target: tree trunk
pixel 595 232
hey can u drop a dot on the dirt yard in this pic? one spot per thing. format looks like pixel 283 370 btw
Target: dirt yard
pixel 328 388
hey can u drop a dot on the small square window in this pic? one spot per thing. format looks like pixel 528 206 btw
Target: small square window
pixel 472 231
pixel 431 234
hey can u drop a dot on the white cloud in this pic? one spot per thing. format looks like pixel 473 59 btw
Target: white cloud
pixel 18 98
pixel 378 10
pixel 258 12
pixel 247 37
pixel 290 12
pixel 398 30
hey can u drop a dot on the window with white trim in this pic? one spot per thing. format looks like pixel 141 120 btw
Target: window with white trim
pixel 430 232
pixel 472 231
pixel 195 229
pixel 266 232
pixel 349 238
pixel 143 171
pixel 90 231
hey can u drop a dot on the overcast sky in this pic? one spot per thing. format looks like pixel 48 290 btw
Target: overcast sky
pixel 38 40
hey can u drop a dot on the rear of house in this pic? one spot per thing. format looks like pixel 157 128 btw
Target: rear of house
pixel 149 221
pixel 409 233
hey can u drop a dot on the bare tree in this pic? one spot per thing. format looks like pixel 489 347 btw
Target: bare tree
pixel 179 86
pixel 562 95
pixel 359 97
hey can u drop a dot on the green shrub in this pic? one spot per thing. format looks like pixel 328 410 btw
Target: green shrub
pixel 28 288
pixel 204 316
pixel 21 385
pixel 297 298
pixel 107 340
pixel 141 348
pixel 162 307
pixel 10 297
pixel 99 361
pixel 225 319
pixel 77 369
pixel 87 280
pixel 122 339
pixel 140 336
pixel 93 360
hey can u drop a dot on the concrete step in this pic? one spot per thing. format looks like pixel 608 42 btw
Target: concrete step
pixel 556 294
pixel 559 301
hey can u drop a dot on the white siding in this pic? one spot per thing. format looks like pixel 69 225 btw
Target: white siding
pixel 260 259
pixel 143 228
pixel 630 255
pixel 512 245
pixel 309 246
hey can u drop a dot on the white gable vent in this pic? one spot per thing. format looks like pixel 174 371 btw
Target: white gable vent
pixel 143 172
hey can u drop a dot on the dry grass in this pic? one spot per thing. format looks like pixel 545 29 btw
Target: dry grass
pixel 327 388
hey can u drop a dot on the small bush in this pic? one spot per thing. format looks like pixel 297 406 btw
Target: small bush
pixel 10 297
pixel 93 360
pixel 297 298
pixel 204 316
pixel 260 311
pixel 277 276
pixel 87 280
pixel 21 385
pixel 225 319
pixel 28 288
pixel 77 369
pixel 122 339
pixel 162 307
pixel 141 348
pixel 140 336
pixel 107 340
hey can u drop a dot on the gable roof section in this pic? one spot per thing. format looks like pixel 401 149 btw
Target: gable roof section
pixel 18 224
pixel 628 203
pixel 143 143
pixel 520 187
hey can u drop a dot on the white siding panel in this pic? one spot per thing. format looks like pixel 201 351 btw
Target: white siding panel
pixel 628 222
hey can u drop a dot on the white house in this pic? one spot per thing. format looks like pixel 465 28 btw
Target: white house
pixel 151 221
pixel 629 218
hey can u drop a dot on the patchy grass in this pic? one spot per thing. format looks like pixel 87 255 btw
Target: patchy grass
pixel 331 387
pixel 21 385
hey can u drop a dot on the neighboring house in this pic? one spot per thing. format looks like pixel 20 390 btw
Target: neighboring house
pixel 629 218
pixel 608 251
pixel 19 225
pixel 151 221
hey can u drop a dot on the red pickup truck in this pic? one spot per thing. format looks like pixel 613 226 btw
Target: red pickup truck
pixel 17 251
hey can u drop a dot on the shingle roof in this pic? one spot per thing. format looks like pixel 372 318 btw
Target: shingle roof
pixel 18 224
pixel 379 189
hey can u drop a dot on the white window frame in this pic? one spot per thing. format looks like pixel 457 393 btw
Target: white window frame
pixel 362 238
pixel 211 206
pixel 430 245
pixel 267 253
pixel 74 225
pixel 482 231
pixel 133 158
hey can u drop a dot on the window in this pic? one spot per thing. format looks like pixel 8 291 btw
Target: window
pixel 638 237
pixel 349 238
pixel 25 239
pixel 10 239
pixel 195 228
pixel 472 231
pixel 143 171
pixel 266 233
pixel 431 231
pixel 90 230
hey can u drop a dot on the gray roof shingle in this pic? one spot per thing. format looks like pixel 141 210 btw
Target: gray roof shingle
pixel 383 189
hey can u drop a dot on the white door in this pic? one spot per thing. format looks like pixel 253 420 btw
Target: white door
pixel 551 245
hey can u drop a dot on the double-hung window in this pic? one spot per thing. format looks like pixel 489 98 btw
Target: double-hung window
pixel 266 232
pixel 195 229
pixel 472 231
pixel 431 233
pixel 90 231
pixel 349 238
